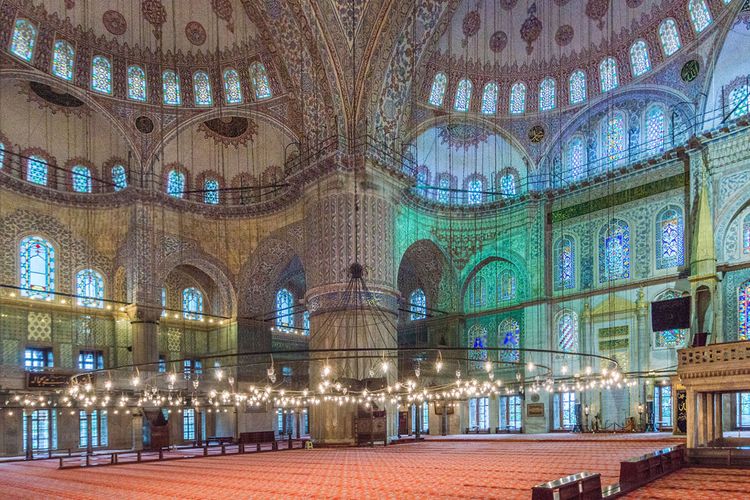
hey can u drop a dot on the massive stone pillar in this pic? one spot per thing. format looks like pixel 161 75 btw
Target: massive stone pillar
pixel 350 218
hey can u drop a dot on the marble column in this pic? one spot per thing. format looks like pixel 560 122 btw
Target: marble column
pixel 144 325
pixel 710 411
pixel 718 416
pixel 701 419
pixel 692 424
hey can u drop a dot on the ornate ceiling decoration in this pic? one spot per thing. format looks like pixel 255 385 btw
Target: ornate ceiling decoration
pixel 230 130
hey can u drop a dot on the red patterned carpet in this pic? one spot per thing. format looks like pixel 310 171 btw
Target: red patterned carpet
pixel 425 470
pixel 713 484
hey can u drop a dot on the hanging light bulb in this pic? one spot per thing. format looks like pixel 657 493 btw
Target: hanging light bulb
pixel 108 385
pixel 417 371
pixel 530 366
pixel 564 369
pixel 438 366
pixel 136 380
pixel 488 366
pixel 326 371
pixel 458 373
pixel 384 366
pixel 220 374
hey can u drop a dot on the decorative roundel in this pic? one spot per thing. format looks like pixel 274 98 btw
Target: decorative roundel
pixel 536 134
pixel 195 33
pixel 498 41
pixel 115 22
pixel 154 12
pixel 690 70
pixel 508 4
pixel 471 24
pixel 596 10
pixel 633 3
pixel 564 35
pixel 535 398
pixel 144 124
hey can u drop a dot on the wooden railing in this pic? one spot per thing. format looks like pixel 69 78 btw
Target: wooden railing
pixel 701 357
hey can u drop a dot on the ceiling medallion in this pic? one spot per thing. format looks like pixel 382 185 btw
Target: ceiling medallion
pixel 462 135
pixel 471 24
pixel 114 22
pixel 195 33
pixel 223 9
pixel 536 134
pixel 144 124
pixel 531 28
pixel 498 41
pixel 690 70
pixel 69 4
pixel 230 130
pixel 596 10
pixel 564 35
pixel 154 12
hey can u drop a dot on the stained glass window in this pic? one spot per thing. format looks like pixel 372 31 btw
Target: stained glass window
pixel 739 101
pixel 746 235
pixel 518 98
pixel 670 241
pixel 477 344
pixel 444 194
pixel 614 251
pixel 2 155
pixel 743 409
pixel 565 272
pixel 36 170
pixel 101 75
pixel 171 88
pixel 577 84
pixel 90 288
pixel 608 74
pixel 211 191
pixel 489 99
pixel 506 285
pixel 24 39
pixel 164 301
pixel 119 177
pixel 669 37
pixel 192 303
pixel 188 424
pixel 639 59
pixel 202 88
pixel 306 322
pixel 475 192
pixel 232 86
pixel 656 125
pixel 576 158
pixel 136 83
pixel 175 183
pixel 43 430
pixel 62 60
pixel 437 93
pixel 699 14
pixel 37 266
pixel 284 309
pixel 463 95
pixel 259 77
pixel 508 185
pixel 417 305
pixel 547 94
pixel 81 179
pixel 477 292
pixel 615 137
pixel 567 331
pixel 744 311
pixel 509 333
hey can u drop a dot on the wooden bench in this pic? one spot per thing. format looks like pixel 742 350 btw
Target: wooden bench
pixel 220 439
pixel 583 486
pixel 258 438
pixel 638 471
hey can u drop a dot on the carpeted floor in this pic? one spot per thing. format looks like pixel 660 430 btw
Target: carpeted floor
pixel 695 482
pixel 499 469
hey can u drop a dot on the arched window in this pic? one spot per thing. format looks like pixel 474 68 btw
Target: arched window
pixel 417 305
pixel 171 88
pixel 615 138
pixel 565 263
pixel 639 59
pixel 136 83
pixel 175 183
pixel 743 306
pixel 508 185
pixel 739 101
pixel 669 37
pixel 656 128
pixel 192 303
pixel 284 309
pixel 475 194
pixel 163 301
pixel 463 95
pixel 506 285
pixel 101 75
pixel 444 185
pixel 202 89
pixel 670 239
pixel 509 334
pixel 81 177
pixel 675 338
pixel 477 292
pixel 259 77
pixel 746 235
pixel 477 344
pixel 608 74
pixel 211 191
pixel 567 331
pixel 232 86
pixel 518 98
pixel 489 99
pixel 437 93
pixel 36 170
pixel 699 14
pixel 614 251
pixel 306 322
pixel 90 288
pixel 24 39
pixel 2 155
pixel 547 97
pixel 63 57
pixel 119 177
pixel 576 158
pixel 37 267
pixel 577 84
